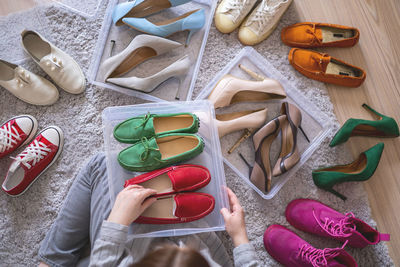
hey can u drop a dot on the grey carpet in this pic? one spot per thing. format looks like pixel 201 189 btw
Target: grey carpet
pixel 25 220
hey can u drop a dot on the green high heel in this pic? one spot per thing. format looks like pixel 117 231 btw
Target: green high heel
pixel 359 170
pixel 384 127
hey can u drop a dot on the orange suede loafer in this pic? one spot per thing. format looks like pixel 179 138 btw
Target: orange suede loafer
pixel 309 34
pixel 324 68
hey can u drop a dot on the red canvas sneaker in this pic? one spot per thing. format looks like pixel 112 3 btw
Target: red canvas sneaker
pixel 179 208
pixel 37 157
pixel 173 179
pixel 16 132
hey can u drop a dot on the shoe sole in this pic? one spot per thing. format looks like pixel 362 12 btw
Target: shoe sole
pixel 60 148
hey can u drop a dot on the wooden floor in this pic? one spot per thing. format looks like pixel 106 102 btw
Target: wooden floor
pixel 379 54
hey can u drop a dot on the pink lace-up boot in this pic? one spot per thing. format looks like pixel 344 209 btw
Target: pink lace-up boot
pixel 314 217
pixel 290 250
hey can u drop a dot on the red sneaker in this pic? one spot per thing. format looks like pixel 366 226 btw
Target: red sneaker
pixel 173 179
pixel 16 132
pixel 37 157
pixel 179 208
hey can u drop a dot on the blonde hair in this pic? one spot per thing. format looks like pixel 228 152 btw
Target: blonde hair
pixel 172 256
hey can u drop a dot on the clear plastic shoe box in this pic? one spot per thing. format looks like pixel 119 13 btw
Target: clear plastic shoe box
pixel 123 35
pixel 313 121
pixel 210 158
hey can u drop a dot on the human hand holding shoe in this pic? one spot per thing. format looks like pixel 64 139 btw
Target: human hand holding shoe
pixel 130 203
pixel 234 220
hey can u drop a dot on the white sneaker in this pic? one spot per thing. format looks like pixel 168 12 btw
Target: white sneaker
pixel 64 70
pixel 262 21
pixel 26 85
pixel 231 13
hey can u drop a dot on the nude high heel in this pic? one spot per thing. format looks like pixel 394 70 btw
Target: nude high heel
pixel 230 90
pixel 261 174
pixel 236 121
pixel 289 155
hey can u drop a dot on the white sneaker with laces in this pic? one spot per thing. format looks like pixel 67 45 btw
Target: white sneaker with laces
pixel 16 132
pixel 262 21
pixel 62 68
pixel 231 13
pixel 37 157
pixel 26 85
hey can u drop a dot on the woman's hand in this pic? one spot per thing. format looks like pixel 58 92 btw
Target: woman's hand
pixel 234 221
pixel 130 203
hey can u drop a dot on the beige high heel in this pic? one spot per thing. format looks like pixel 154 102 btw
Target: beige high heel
pixel 231 89
pixel 236 121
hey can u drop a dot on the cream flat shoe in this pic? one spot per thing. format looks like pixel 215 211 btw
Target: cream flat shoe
pixel 262 21
pixel 232 122
pixel 26 85
pixel 230 14
pixel 62 68
pixel 177 69
pixel 141 48
pixel 230 90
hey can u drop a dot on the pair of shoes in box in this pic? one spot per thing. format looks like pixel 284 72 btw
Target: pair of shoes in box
pixel 316 218
pixel 321 66
pixel 42 151
pixel 158 140
pixel 36 90
pixel 176 203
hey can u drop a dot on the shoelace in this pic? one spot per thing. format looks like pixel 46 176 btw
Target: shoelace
pixel 320 60
pixel 35 152
pixel 8 137
pixel 313 32
pixel 264 13
pixel 54 63
pixel 318 257
pixel 341 229
pixel 147 149
pixel 23 78
pixel 236 6
pixel 146 118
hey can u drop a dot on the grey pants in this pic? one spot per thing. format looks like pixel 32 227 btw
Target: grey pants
pixel 79 221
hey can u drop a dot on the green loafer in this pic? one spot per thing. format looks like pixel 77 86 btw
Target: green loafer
pixel 384 127
pixel 359 170
pixel 159 152
pixel 132 130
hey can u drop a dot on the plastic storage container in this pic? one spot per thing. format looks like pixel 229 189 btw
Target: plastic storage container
pixel 210 158
pixel 123 35
pixel 313 121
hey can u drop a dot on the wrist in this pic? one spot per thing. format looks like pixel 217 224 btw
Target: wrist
pixel 116 219
pixel 240 239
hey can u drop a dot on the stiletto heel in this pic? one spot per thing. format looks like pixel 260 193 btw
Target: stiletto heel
pixel 384 127
pixel 189 36
pixel 181 80
pixel 301 129
pixel 253 74
pixel 359 170
pixel 246 162
pixel 336 193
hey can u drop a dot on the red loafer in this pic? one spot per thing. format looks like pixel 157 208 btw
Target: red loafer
pixel 179 208
pixel 173 179
pixel 16 132
pixel 37 157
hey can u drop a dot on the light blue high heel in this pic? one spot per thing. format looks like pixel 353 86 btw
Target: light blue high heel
pixel 142 8
pixel 191 21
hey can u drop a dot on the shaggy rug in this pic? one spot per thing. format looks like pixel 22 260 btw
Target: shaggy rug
pixel 25 220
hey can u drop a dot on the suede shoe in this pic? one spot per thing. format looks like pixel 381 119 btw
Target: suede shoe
pixel 132 130
pixel 173 179
pixel 324 68
pixel 316 218
pixel 290 250
pixel 159 152
pixel 309 35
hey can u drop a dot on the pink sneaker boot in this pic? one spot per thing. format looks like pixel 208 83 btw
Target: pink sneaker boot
pixel 314 217
pixel 290 250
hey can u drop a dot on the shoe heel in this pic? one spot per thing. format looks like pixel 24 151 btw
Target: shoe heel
pixel 336 193
pixel 189 36
pixel 301 129
pixel 372 110
pixel 253 74
pixel 181 80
